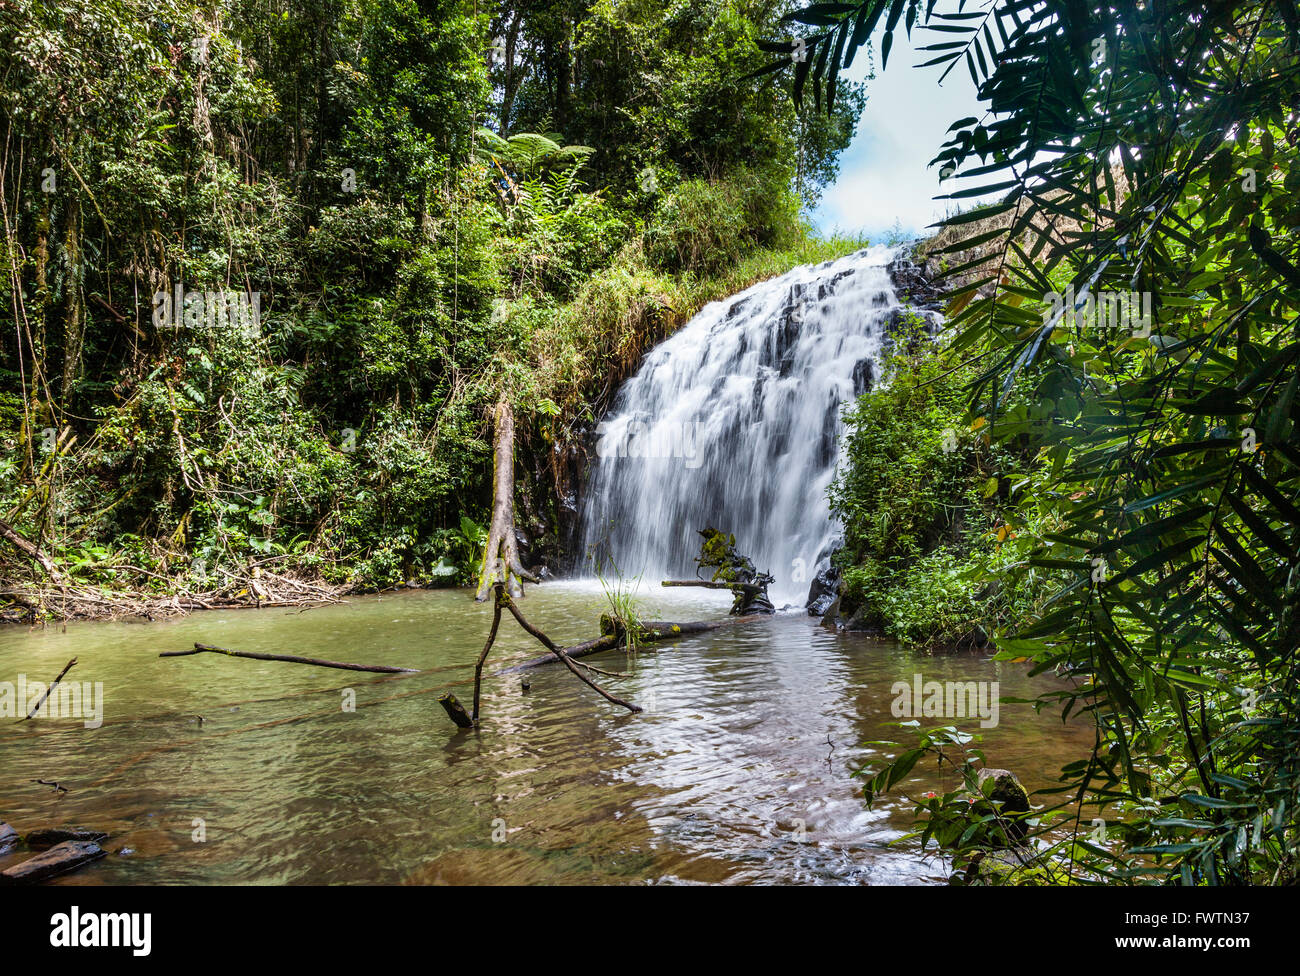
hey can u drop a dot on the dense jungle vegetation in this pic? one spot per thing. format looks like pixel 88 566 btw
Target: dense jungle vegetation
pixel 1120 498
pixel 432 201
pixel 437 204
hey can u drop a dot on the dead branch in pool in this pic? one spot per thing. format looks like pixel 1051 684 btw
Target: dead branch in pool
pixel 478 668
pixel 456 711
pixel 54 684
pixel 559 653
pixel 596 645
pixel 289 658
pixel 607 674
pixel 615 634
pixel 501 554
pixel 504 601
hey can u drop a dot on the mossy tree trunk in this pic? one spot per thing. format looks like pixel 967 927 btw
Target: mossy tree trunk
pixel 501 554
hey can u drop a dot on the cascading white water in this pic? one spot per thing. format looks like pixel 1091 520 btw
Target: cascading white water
pixel 734 423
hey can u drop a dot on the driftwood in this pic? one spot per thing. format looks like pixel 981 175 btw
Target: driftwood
pixel 712 584
pixel 596 645
pixel 501 554
pixel 29 549
pixel 290 658
pixel 564 658
pixel 59 859
pixel 614 634
pixel 504 601
pixel 456 711
pixel 66 601
pixel 54 684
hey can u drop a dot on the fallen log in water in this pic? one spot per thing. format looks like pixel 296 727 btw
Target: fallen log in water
pixel 39 840
pixel 734 572
pixel 290 658
pixel 61 858
pixel 713 584
pixel 614 635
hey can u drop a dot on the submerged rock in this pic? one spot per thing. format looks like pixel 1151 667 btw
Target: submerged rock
pixel 8 836
pixel 59 859
pixel 823 591
pixel 50 836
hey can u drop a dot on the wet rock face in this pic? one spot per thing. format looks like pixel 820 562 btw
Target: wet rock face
pixel 864 376
pixel 823 592
pixel 920 302
pixel 913 284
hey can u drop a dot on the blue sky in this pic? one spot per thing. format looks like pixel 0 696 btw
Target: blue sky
pixel 883 173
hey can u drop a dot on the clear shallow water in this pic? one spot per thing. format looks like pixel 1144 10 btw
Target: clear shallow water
pixel 739 771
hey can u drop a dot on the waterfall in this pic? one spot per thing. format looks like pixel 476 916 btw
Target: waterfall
pixel 734 423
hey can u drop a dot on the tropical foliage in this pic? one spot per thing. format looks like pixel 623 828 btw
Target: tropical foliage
pixel 1138 149
pixel 430 202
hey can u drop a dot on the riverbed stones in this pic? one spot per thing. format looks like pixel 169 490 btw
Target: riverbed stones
pixel 8 837
pixel 59 859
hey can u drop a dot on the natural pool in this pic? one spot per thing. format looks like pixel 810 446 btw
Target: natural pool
pixel 212 770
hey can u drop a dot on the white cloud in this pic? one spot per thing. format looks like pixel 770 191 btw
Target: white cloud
pixel 884 173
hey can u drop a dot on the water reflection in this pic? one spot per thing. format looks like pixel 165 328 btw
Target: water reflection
pixel 216 770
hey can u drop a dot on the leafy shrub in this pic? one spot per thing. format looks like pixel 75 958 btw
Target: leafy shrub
pixel 708 224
